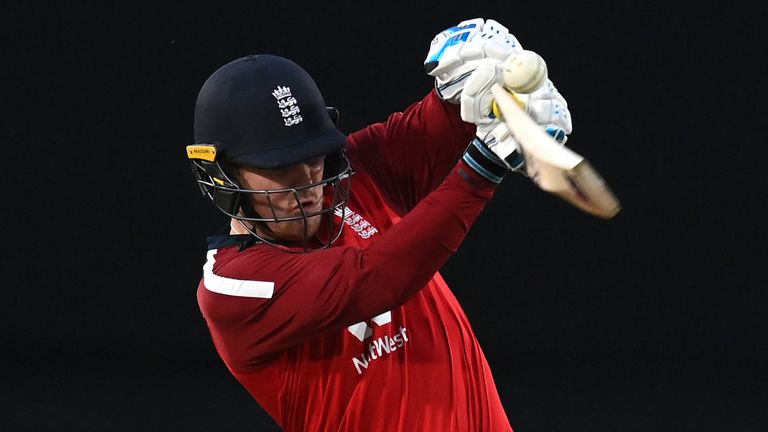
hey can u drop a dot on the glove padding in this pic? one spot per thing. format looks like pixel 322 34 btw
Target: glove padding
pixel 545 105
pixel 496 137
pixel 494 151
pixel 455 53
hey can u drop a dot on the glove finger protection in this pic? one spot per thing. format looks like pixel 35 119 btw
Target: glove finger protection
pixel 445 48
pixel 455 52
pixel 548 107
pixel 476 98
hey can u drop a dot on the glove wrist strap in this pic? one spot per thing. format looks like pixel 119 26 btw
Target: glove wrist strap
pixel 482 160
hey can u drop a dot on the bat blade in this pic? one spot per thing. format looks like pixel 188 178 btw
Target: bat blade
pixel 554 167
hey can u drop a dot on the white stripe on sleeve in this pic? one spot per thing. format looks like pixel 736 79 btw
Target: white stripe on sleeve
pixel 234 287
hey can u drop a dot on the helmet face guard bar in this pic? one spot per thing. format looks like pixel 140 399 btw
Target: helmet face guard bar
pixel 336 206
pixel 233 201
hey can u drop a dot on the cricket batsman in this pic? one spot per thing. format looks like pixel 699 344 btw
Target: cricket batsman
pixel 324 298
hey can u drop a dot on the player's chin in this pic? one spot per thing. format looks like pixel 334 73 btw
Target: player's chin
pixel 295 230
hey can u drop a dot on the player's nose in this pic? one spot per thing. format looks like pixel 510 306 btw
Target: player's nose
pixel 310 171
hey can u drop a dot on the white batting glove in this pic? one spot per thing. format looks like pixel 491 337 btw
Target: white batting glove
pixel 495 136
pixel 545 105
pixel 499 146
pixel 548 107
pixel 455 53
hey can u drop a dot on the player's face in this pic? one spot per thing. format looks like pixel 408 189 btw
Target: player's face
pixel 285 204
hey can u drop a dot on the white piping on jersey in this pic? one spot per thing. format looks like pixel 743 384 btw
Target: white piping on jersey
pixel 234 287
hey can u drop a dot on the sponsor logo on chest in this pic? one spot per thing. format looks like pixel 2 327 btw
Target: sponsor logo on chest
pixel 378 347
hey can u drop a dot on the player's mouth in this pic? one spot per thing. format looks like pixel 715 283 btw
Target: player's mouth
pixel 310 205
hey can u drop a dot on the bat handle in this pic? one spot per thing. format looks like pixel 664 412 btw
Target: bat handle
pixel 495 107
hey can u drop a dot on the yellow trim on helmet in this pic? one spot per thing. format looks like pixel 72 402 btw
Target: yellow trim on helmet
pixel 205 152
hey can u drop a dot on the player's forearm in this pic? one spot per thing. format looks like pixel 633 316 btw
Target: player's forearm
pixel 412 152
pixel 407 256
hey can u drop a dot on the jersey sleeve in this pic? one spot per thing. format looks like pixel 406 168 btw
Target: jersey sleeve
pixel 334 288
pixel 410 153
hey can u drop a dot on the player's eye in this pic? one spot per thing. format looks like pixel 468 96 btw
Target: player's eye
pixel 316 163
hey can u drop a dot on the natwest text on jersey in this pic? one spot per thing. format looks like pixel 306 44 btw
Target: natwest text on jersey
pixel 378 348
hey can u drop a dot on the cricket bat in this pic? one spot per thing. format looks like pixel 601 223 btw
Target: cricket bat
pixel 554 167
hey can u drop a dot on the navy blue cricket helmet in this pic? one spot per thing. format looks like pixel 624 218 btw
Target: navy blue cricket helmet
pixel 265 112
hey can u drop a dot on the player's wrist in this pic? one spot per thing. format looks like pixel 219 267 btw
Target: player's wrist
pixel 484 162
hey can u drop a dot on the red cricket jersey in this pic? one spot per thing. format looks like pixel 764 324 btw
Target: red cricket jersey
pixel 366 335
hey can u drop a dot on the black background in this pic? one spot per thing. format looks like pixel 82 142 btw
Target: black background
pixel 651 321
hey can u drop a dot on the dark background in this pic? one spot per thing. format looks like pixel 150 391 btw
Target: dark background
pixel 653 321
